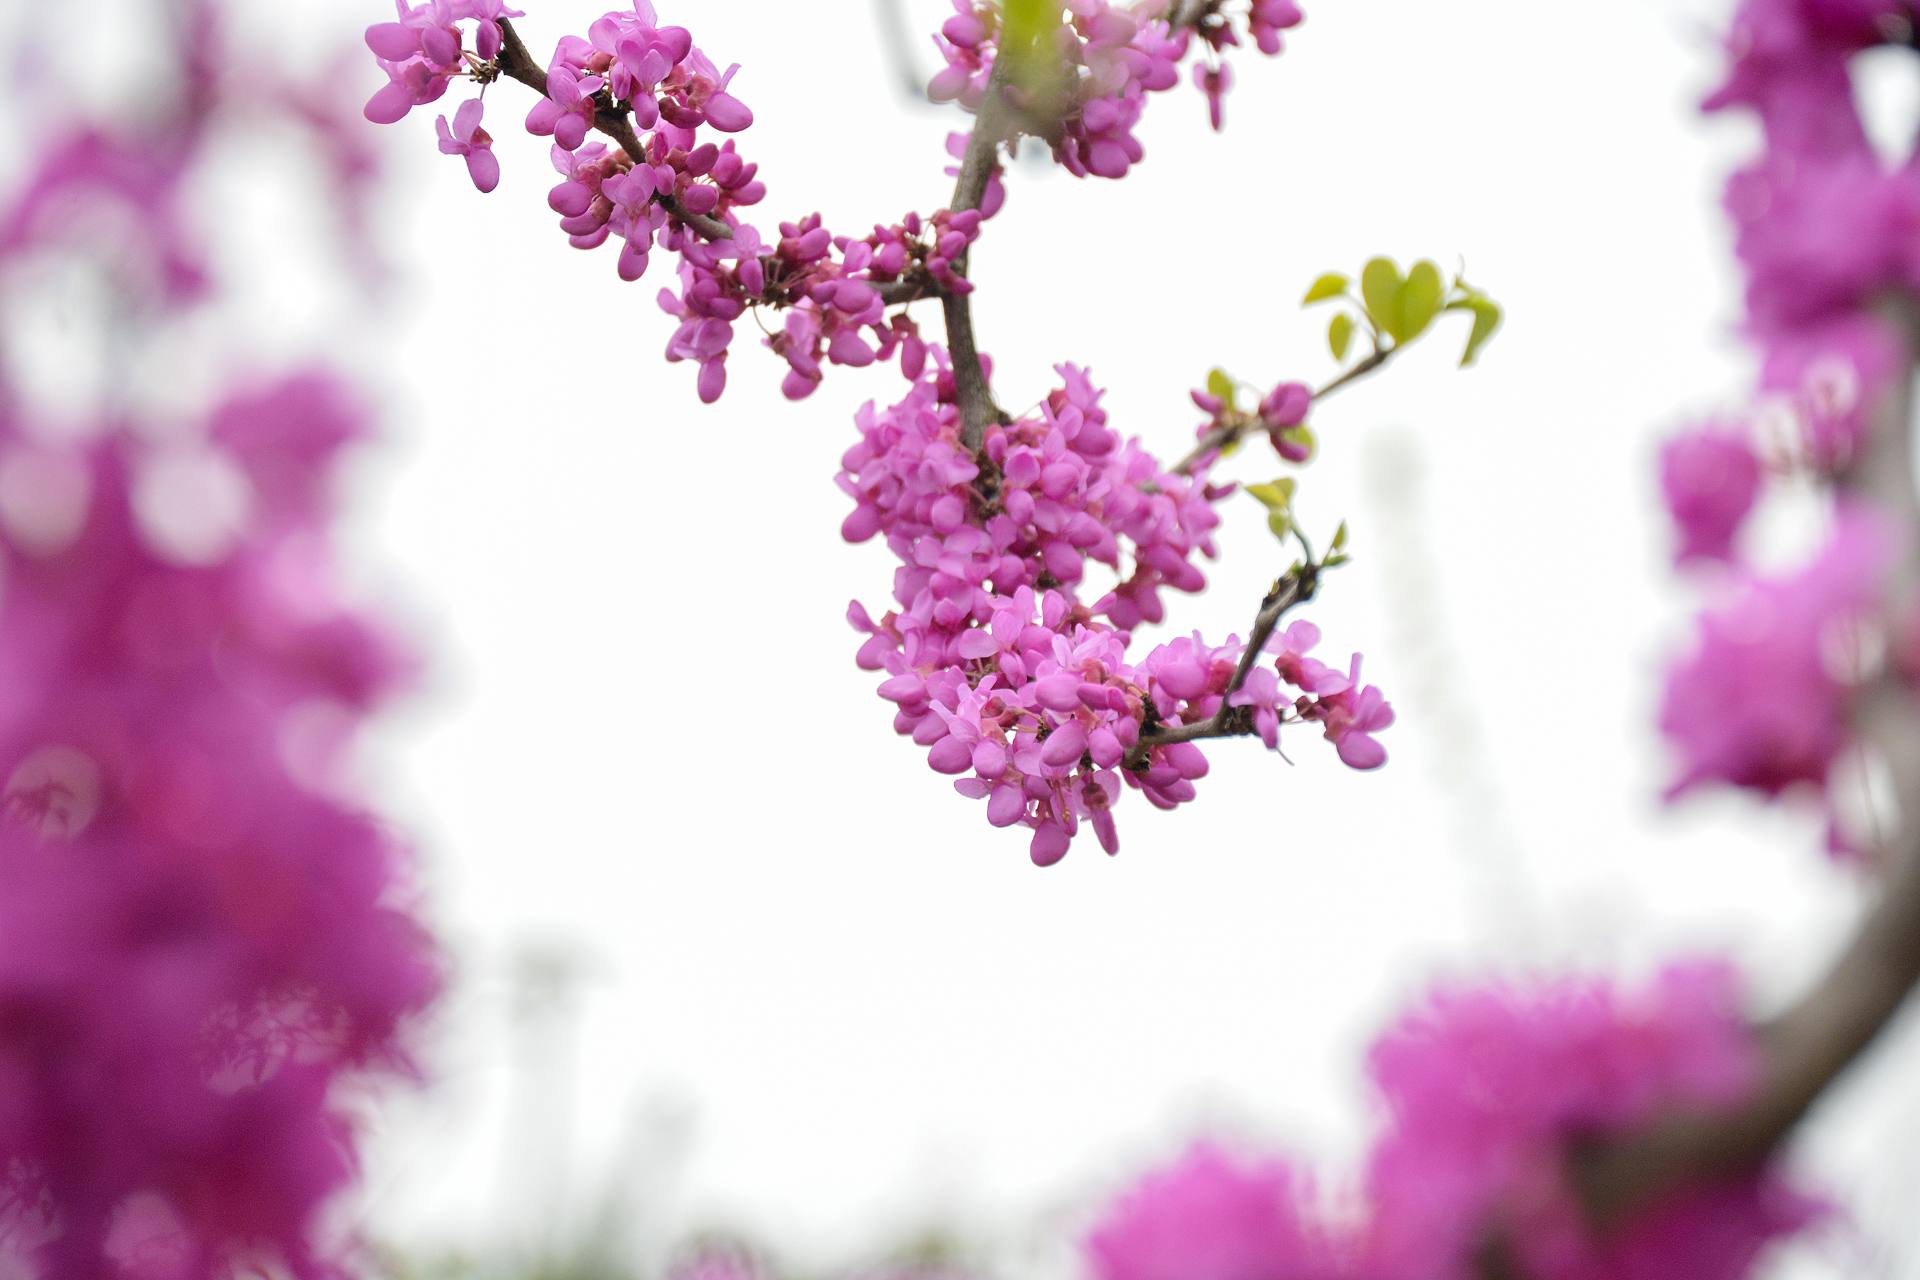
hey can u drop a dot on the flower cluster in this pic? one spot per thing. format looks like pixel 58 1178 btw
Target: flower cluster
pixel 1488 1092
pixel 424 50
pixel 667 187
pixel 1000 660
pixel 627 66
pixel 1826 230
pixel 1762 702
pixel 1113 56
pixel 205 940
pixel 836 291
pixel 673 190
pixel 996 662
pixel 199 937
pixel 1214 1215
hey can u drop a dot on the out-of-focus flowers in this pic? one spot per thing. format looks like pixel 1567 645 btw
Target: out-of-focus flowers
pixel 204 935
pixel 1488 1091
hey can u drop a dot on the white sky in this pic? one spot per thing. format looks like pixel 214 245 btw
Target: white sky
pixel 816 997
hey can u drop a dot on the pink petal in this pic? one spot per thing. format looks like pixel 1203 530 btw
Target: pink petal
pixel 390 105
pixel 484 168
pixel 1358 751
pixel 466 121
pixel 1049 845
pixel 727 113
pixel 392 41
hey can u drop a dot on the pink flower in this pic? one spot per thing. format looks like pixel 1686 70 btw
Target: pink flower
pixel 1214 81
pixel 468 139
pixel 200 939
pixel 1213 1216
pixel 1262 693
pixel 410 84
pixel 1352 716
pixel 1762 701
pixel 635 216
pixel 1487 1090
pixel 1710 479
pixel 1268 19
pixel 568 110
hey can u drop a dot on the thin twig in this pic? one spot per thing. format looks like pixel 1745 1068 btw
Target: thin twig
pixel 1240 427
pixel 1296 588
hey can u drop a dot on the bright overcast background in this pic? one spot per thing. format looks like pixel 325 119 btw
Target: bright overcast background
pixel 729 956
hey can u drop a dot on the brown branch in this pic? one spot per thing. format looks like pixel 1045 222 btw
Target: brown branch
pixel 1805 1051
pixel 1810 1046
pixel 1188 13
pixel 993 124
pixel 1239 427
pixel 1237 722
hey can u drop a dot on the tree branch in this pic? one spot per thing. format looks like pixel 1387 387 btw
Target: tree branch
pixel 1296 588
pixel 1238 428
pixel 1810 1046
pixel 993 125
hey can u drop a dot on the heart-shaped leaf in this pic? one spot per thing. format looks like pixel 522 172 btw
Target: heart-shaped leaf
pixel 1419 301
pixel 1380 284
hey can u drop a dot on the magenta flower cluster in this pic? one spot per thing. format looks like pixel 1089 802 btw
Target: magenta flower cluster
pixel 1001 662
pixel 206 947
pixel 424 51
pixel 1116 54
pixel 198 939
pixel 1826 230
pixel 675 190
pixel 831 287
pixel 1215 1214
pixel 998 662
pixel 1487 1092
pixel 1763 699
pixel 680 192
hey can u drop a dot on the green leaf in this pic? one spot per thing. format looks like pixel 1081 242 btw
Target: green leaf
pixel 1340 335
pixel 1276 495
pixel 1330 285
pixel 1380 283
pixel 1419 301
pixel 1340 536
pixel 1220 387
pixel 1486 321
pixel 1281 524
